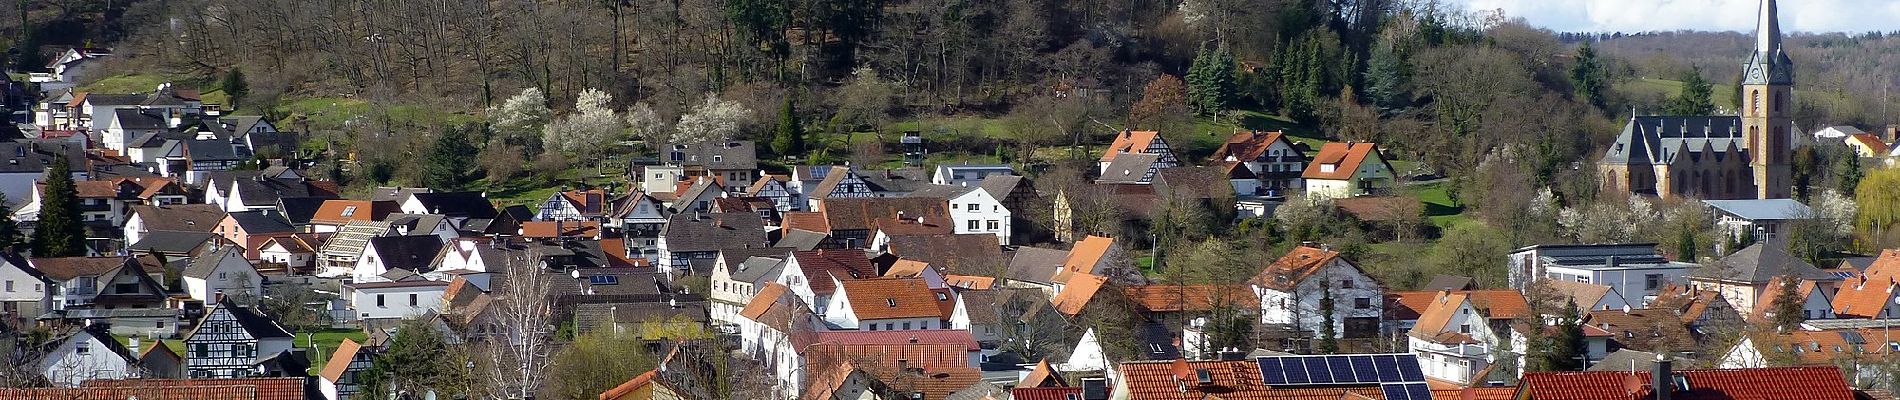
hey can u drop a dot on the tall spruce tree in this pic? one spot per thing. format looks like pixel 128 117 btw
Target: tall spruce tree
pixel 450 160
pixel 1788 302
pixel 235 87
pixel 1328 336
pixel 1695 96
pixel 1847 172
pixel 60 232
pixel 1589 78
pixel 10 236
pixel 789 138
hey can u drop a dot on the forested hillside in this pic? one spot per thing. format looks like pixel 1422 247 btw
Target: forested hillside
pixel 558 93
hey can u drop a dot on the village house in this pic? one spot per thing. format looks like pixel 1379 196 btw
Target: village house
pixel 1274 160
pixel 384 254
pixel 1764 220
pixel 967 174
pixel 222 271
pixel 338 380
pixel 1816 302
pixel 119 290
pixel 1745 275
pixel 1291 289
pixel 853 220
pixel 295 253
pixel 249 229
pixel 228 341
pixel 85 354
pixel 833 182
pixel 573 205
pixel 777 189
pixel 973 210
pixel 395 300
pixel 27 162
pixel 1137 142
pixel 334 214
pixel 235 191
pixel 737 275
pixel 1635 270
pixel 1349 169
pixel 691 242
pixel 458 207
pixel 1871 294
pixel 1464 332
pixel 22 290
pixel 732 163
pixel 885 304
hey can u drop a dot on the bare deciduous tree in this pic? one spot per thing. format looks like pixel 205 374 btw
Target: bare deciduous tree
pixel 524 316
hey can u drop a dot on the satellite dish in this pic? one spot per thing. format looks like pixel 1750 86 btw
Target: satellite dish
pixel 575 273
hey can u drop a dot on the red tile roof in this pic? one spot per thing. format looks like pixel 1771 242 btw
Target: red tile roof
pixel 1476 393
pixel 969 282
pixel 339 360
pixel 890 298
pixel 823 264
pixel 554 229
pixel 628 387
pixel 1408 305
pixel 170 389
pixel 921 336
pixel 1288 271
pixel 1042 375
pixel 1045 393
pixel 1864 296
pixel 1345 158
pixel 332 211
pixel 806 221
pixel 1176 298
pixel 1130 142
pixel 1077 293
pixel 1247 146
pixel 767 295
pixel 1873 143
pixel 1813 383
pixel 1085 256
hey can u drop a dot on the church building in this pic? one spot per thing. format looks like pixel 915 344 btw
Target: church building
pixel 1716 157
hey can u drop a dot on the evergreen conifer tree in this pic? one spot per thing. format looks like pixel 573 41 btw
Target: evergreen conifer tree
pixel 1589 78
pixel 450 159
pixel 59 232
pixel 10 236
pixel 789 138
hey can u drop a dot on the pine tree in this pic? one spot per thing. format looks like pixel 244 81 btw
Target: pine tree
pixel 10 237
pixel 1803 171
pixel 60 233
pixel 450 159
pixel 1386 77
pixel 789 138
pixel 1847 173
pixel 1328 337
pixel 1695 96
pixel 1788 311
pixel 1589 78
pixel 235 86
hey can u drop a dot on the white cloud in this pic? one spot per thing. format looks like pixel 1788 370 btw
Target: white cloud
pixel 1723 15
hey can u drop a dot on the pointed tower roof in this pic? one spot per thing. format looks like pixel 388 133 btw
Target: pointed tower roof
pixel 1768 30
pixel 1769 65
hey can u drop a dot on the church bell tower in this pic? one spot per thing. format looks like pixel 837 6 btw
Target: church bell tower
pixel 1768 108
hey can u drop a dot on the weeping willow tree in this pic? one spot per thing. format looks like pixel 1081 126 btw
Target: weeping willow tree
pixel 1878 196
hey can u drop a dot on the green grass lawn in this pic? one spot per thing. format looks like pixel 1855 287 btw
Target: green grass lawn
pixel 1439 208
pixel 131 83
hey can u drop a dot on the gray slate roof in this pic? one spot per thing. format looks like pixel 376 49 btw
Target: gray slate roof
pixel 800 239
pixel 1129 168
pixel 172 242
pixel 1660 140
pixel 727 155
pixel 1763 210
pixel 713 231
pixel 1760 263
pixel 34 156
pixel 1000 186
pixel 407 252
pixel 132 118
pixel 755 268
pixel 262 222
pixel 1036 264
pixel 205 263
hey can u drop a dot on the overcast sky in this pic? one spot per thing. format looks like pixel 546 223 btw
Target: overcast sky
pixel 1707 15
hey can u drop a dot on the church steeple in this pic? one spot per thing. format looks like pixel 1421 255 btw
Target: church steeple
pixel 1768 30
pixel 1767 110
pixel 1769 65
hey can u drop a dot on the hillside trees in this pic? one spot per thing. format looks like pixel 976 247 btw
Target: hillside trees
pixel 1695 98
pixel 588 130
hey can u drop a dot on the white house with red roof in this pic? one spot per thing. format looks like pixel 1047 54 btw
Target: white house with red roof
pixel 1292 290
pixel 886 304
pixel 1348 169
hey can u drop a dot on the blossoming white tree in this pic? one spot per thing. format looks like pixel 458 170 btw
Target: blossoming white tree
pixel 586 131
pixel 713 120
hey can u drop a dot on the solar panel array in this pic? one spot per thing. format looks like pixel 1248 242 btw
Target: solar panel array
pixel 1406 391
pixel 1354 369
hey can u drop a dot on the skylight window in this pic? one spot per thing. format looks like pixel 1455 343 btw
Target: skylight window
pixel 349 211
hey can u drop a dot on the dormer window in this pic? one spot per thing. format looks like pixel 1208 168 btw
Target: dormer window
pixel 1328 167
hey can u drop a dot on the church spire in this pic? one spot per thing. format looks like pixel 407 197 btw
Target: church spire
pixel 1768 30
